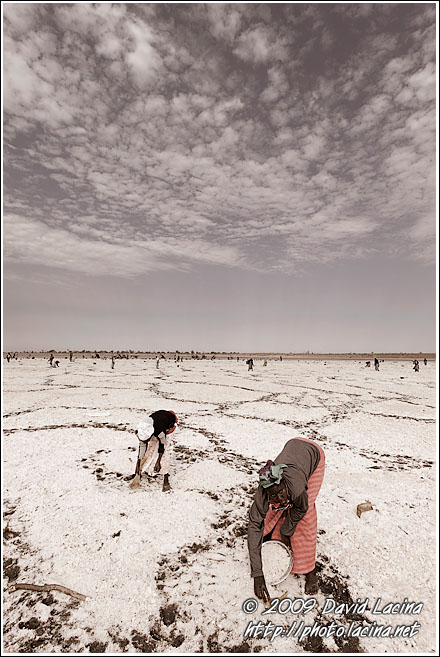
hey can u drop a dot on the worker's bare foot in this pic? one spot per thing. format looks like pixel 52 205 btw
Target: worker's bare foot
pixel 166 484
pixel 311 583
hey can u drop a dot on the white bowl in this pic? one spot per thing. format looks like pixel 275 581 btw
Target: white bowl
pixel 277 561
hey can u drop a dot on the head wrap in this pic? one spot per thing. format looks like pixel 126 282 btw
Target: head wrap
pixel 175 423
pixel 271 474
pixel 145 429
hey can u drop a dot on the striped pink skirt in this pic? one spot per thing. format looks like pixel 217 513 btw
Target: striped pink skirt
pixel 303 541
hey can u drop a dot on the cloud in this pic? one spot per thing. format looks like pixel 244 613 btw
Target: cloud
pixel 260 44
pixel 138 137
pixel 224 21
pixel 142 60
pixel 88 249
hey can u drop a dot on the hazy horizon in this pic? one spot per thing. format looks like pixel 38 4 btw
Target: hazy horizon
pixel 253 178
pixel 218 352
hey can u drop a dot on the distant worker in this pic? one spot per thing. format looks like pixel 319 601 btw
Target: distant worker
pixel 70 356
pixel 368 363
pixel 113 362
pixel 416 366
pixel 51 360
pixel 250 364
pixel 425 361
pixel 376 364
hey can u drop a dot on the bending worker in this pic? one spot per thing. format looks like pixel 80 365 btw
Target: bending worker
pixel 284 510
pixel 155 447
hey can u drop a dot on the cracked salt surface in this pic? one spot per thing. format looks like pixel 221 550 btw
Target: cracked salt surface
pixel 71 519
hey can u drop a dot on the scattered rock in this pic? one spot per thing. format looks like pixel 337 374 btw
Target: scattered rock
pixel 96 646
pixel 122 643
pixel 12 572
pixel 142 643
pixel 155 633
pixel 33 645
pixel 213 645
pixel 9 512
pixel 177 641
pixel 240 531
pixel 349 644
pixel 168 614
pixel 9 533
pixel 315 644
pixel 199 547
pixel 32 624
pixel 243 647
pixel 365 506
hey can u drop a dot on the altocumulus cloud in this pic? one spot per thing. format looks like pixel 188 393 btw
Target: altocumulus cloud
pixel 141 137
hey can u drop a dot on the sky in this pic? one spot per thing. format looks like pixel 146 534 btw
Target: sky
pixel 219 177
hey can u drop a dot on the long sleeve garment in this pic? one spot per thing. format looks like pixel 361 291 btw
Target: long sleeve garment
pixel 301 459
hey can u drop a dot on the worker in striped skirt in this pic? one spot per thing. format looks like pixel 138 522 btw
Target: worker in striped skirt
pixel 284 509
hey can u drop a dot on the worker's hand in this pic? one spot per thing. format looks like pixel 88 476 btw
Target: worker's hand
pixel 157 466
pixel 286 540
pixel 260 588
